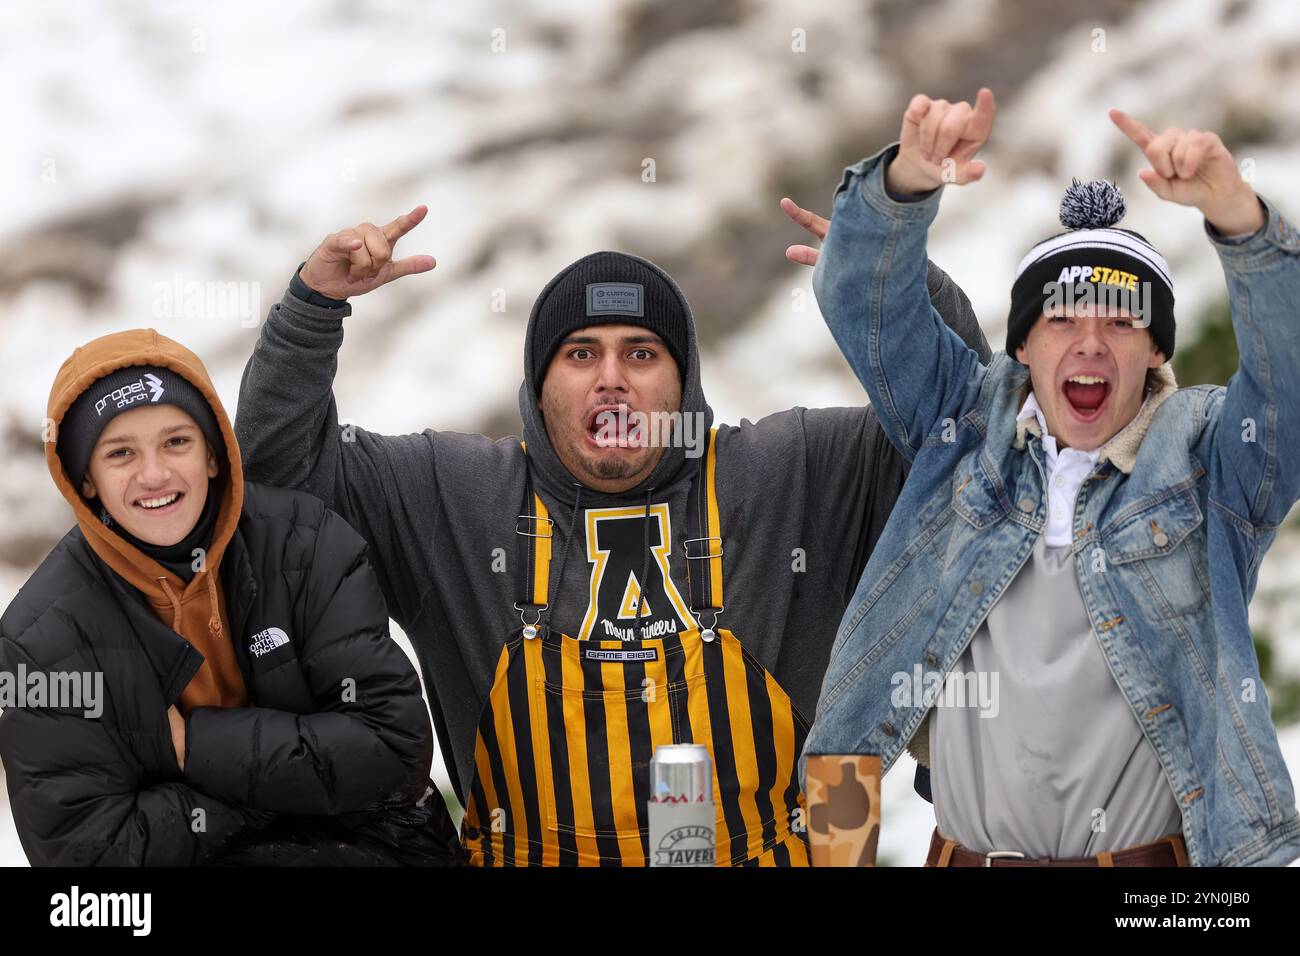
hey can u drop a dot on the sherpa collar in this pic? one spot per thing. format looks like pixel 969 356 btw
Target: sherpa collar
pixel 1122 449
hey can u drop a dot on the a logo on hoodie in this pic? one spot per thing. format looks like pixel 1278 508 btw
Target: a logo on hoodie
pixel 264 642
pixel 148 388
pixel 622 606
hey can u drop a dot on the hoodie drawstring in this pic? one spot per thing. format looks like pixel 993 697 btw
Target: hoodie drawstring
pixel 175 602
pixel 564 558
pixel 645 560
pixel 214 622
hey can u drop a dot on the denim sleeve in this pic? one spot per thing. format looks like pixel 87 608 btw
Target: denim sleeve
pixel 870 283
pixel 1253 457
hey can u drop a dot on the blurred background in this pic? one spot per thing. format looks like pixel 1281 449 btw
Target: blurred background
pixel 170 164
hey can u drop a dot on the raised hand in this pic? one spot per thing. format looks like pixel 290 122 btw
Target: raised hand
pixel 938 143
pixel 804 255
pixel 355 260
pixel 1192 167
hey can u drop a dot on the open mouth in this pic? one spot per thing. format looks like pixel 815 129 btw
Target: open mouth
pixel 1086 396
pixel 160 504
pixel 606 428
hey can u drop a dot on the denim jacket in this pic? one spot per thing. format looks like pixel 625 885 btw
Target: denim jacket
pixel 1201 471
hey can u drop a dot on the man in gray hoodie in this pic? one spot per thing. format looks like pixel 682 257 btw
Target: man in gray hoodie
pixel 463 530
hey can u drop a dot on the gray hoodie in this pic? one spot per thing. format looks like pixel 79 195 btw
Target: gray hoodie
pixel 803 495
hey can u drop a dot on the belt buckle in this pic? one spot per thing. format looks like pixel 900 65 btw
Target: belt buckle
pixel 1002 854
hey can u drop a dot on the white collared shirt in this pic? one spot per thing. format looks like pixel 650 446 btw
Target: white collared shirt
pixel 1066 471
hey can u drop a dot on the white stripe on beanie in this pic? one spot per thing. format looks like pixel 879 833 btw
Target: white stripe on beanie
pixel 1115 239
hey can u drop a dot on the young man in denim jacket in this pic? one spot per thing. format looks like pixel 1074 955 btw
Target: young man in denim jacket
pixel 1051 550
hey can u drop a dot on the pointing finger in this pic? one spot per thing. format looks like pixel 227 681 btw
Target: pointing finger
pixel 405 223
pixel 981 121
pixel 1132 127
pixel 809 220
pixel 411 265
pixel 802 255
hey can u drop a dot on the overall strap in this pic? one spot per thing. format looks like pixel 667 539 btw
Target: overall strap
pixel 533 529
pixel 704 546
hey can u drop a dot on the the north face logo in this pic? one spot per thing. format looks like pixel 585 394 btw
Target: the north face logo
pixel 264 642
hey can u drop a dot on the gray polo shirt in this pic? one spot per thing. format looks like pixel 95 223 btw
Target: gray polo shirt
pixel 1049 759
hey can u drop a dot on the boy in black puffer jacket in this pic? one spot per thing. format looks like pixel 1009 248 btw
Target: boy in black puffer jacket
pixel 201 671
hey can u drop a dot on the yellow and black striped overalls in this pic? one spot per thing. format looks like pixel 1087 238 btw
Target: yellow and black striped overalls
pixel 562 755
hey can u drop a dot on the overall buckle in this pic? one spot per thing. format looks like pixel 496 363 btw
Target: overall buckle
pixel 707 632
pixel 709 553
pixel 531 628
pixel 550 526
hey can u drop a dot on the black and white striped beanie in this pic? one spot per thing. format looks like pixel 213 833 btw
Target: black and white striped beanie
pixel 1094 259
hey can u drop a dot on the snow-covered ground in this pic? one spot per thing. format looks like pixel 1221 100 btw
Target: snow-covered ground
pixel 149 146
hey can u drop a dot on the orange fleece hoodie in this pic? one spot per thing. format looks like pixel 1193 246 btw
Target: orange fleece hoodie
pixel 196 611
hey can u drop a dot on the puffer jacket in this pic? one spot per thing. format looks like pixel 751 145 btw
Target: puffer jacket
pixel 329 761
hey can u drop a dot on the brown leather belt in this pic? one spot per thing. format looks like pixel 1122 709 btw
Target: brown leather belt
pixel 1167 851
